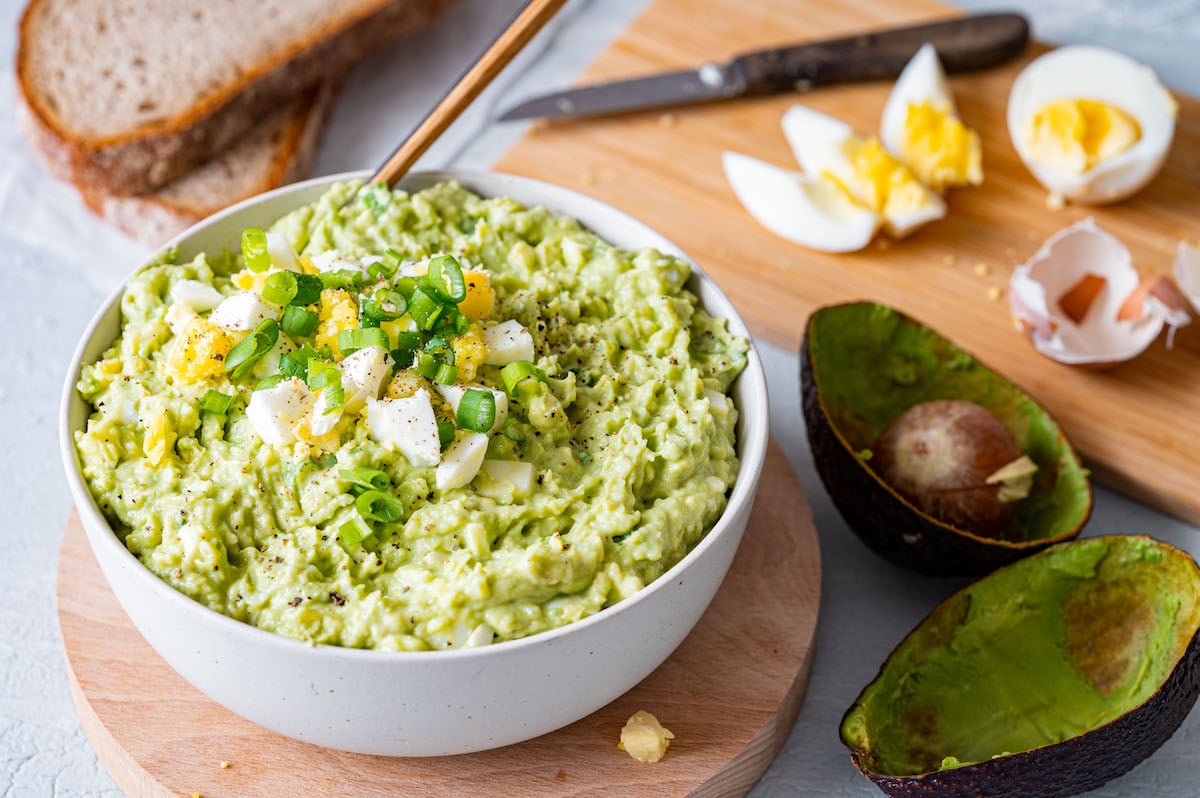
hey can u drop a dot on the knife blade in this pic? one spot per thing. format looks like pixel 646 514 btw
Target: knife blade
pixel 962 44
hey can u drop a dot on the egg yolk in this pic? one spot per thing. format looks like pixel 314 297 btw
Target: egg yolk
pixel 882 183
pixel 1075 135
pixel 940 149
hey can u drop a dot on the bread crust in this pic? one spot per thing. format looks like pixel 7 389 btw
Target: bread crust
pixel 150 156
pixel 157 217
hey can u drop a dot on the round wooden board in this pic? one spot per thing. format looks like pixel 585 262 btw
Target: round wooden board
pixel 730 694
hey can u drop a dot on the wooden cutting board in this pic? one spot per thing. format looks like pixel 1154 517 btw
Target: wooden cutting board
pixel 730 693
pixel 1135 424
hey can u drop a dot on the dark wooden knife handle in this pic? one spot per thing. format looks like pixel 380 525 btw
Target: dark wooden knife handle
pixel 962 44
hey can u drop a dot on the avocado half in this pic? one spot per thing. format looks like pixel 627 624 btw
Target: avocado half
pixel 862 364
pixel 1046 678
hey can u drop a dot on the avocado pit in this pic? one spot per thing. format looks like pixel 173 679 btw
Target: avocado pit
pixel 942 456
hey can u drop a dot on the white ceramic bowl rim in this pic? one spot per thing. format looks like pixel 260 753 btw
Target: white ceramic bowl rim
pixel 754 445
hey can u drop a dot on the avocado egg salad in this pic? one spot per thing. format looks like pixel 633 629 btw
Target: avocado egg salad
pixel 412 421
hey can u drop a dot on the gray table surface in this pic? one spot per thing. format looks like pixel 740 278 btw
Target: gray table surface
pixel 57 263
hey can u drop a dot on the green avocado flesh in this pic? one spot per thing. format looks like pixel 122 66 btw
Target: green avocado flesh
pixel 871 363
pixel 1041 651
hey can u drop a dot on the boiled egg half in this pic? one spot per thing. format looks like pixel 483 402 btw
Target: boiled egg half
pixel 1091 124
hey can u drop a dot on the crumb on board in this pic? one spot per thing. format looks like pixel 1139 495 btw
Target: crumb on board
pixel 668 120
pixel 949 260
pixel 224 765
pixel 883 245
pixel 644 738
pixel 588 179
pixel 982 269
pixel 994 293
pixel 1055 202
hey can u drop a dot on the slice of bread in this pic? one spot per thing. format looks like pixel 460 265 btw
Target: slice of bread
pixel 275 152
pixel 123 97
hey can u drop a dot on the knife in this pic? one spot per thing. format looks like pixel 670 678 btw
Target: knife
pixel 962 44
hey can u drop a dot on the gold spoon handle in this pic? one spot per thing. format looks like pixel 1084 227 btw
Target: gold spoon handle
pixel 524 25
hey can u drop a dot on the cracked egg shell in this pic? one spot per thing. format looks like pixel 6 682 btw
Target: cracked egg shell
pixel 1069 297
pixel 1094 73
pixel 1187 273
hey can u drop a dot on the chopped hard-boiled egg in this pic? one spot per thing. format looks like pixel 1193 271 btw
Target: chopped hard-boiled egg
pixel 453 394
pixel 324 418
pixel 920 126
pixel 828 148
pixel 199 351
pixel 506 342
pixel 471 351
pixel 1092 125
pixel 195 295
pixel 275 412
pixel 461 462
pixel 331 261
pixel 406 425
pixel 363 373
pixel 268 364
pixel 337 311
pixel 516 473
pixel 279 249
pixel 481 296
pixel 241 312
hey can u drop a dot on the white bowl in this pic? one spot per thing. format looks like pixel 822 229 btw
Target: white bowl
pixel 436 702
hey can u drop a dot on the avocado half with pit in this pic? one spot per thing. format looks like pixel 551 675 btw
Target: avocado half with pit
pixel 864 364
pixel 1046 678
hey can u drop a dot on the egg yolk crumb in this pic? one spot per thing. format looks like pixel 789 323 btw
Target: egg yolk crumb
pixel 939 148
pixel 1073 135
pixel 644 738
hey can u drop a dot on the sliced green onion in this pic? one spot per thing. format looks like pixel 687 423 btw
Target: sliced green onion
pixel 512 431
pixel 477 410
pixel 322 373
pixel 461 323
pixel 341 278
pixel 280 288
pixel 366 478
pixel 403 358
pixel 295 364
pixel 215 402
pixel 243 356
pixel 335 397
pixel 409 339
pixel 350 341
pixel 441 349
pixel 426 365
pixel 254 249
pixel 406 286
pixel 424 309
pixel 446 374
pixel 446 278
pixel 308 289
pixel 445 433
pixel 327 460
pixel 391 302
pixel 269 382
pixel 299 322
pixel 518 370
pixel 354 532
pixel 375 505
pixel 386 268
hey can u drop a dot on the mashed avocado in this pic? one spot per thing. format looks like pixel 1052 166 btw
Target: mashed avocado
pixel 261 447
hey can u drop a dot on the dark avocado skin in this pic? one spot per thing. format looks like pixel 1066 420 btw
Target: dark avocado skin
pixel 888 524
pixel 1073 766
